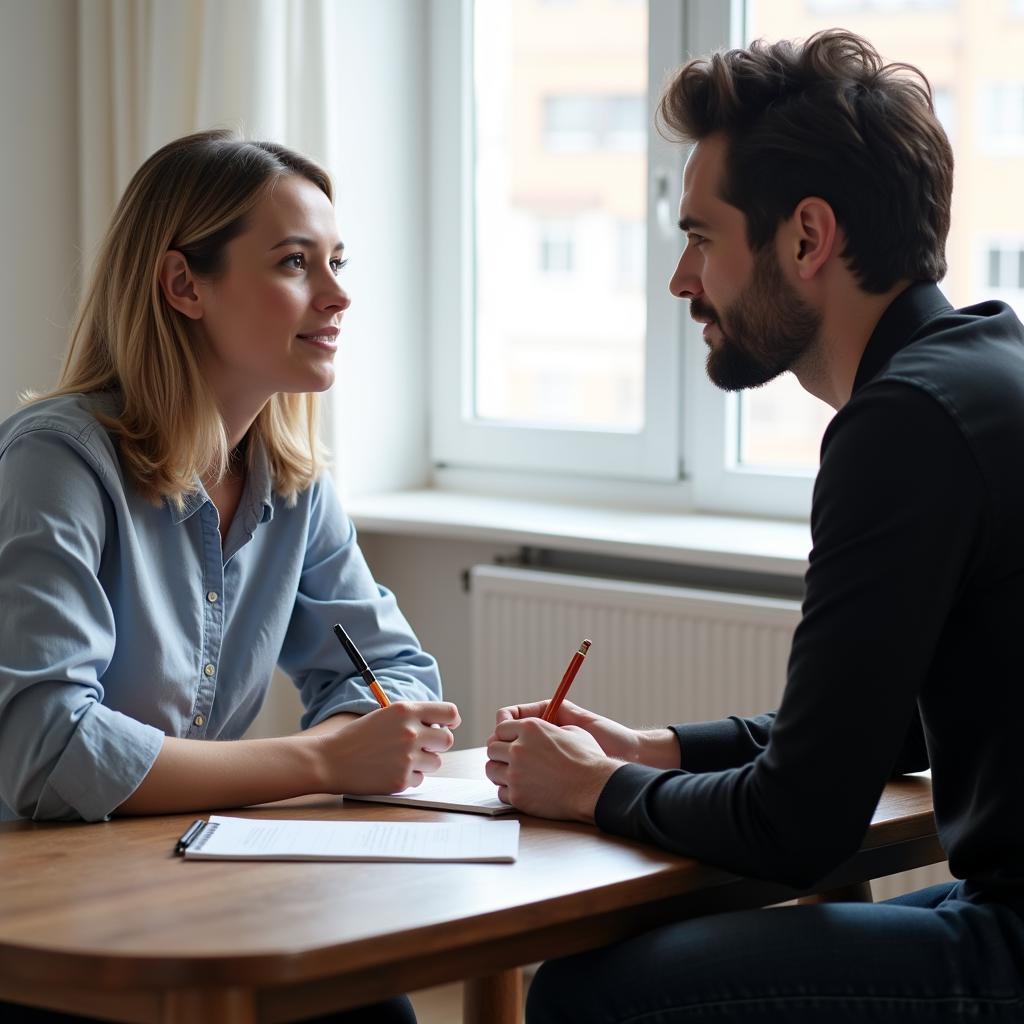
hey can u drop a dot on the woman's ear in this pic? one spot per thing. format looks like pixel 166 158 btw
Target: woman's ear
pixel 178 285
pixel 814 235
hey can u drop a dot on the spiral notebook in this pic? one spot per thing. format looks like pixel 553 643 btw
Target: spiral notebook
pixel 466 840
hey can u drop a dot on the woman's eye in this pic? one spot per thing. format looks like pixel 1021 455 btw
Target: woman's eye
pixel 337 265
pixel 296 261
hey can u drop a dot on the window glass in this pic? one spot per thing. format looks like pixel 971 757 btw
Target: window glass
pixel 560 127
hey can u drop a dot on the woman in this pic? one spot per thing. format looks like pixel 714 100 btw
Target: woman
pixel 167 532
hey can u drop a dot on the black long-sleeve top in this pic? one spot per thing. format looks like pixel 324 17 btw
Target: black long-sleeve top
pixel 910 650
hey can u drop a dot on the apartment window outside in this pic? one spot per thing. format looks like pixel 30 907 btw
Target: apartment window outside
pixel 583 123
pixel 1003 114
pixel 1006 267
pixel 1001 270
pixel 557 247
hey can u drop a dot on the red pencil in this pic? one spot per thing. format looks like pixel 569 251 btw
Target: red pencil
pixel 563 687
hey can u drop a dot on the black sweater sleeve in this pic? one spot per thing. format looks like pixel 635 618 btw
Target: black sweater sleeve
pixel 898 507
pixel 730 742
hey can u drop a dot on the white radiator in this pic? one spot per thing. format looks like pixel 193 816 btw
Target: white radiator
pixel 660 654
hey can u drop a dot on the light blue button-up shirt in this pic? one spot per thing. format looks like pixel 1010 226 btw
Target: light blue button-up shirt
pixel 122 622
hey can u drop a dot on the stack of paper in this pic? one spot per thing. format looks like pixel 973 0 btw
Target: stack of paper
pixel 282 839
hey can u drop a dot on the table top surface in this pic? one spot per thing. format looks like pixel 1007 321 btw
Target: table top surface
pixel 110 903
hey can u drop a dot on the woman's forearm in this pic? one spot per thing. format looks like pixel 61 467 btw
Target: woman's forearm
pixel 202 774
pixel 383 751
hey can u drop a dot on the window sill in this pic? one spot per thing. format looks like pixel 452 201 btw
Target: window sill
pixel 710 541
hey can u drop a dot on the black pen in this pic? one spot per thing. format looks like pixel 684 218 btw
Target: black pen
pixel 191 832
pixel 361 667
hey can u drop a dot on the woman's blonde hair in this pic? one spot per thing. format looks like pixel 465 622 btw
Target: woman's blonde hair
pixel 193 195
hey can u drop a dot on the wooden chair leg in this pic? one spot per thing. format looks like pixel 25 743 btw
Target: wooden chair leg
pixel 859 892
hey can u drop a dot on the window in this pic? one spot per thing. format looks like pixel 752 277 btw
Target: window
pixel 1001 273
pixel 1003 115
pixel 557 247
pixel 1006 267
pixel 557 349
pixel 578 124
pixel 552 352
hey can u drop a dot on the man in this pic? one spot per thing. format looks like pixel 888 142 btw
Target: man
pixel 816 206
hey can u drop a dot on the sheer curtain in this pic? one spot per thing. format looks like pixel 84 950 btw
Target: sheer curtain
pixel 150 71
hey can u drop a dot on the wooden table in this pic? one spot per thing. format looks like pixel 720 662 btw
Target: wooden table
pixel 104 920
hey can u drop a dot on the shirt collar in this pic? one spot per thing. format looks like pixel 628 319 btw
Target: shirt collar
pixel 259 487
pixel 257 498
pixel 898 327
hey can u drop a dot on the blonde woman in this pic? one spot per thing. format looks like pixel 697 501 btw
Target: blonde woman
pixel 168 533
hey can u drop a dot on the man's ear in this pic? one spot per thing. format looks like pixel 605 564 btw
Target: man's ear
pixel 813 236
pixel 178 285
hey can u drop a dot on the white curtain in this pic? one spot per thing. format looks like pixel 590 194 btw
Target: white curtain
pixel 151 70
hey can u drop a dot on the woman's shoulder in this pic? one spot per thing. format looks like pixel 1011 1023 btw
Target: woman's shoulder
pixel 71 418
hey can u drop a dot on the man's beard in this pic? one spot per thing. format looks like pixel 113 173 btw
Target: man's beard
pixel 763 333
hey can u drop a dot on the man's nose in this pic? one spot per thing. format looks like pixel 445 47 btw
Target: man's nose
pixel 685 282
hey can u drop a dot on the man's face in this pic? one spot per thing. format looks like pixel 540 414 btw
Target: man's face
pixel 756 325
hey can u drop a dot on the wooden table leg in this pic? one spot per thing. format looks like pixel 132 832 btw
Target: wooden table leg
pixel 859 892
pixel 208 1006
pixel 494 998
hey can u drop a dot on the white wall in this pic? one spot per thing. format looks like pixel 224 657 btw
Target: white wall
pixel 380 421
pixel 38 192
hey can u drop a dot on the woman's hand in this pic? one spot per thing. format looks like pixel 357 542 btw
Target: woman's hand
pixel 386 750
pixel 656 747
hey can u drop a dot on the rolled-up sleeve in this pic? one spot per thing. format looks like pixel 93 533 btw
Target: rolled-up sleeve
pixel 63 754
pixel 336 586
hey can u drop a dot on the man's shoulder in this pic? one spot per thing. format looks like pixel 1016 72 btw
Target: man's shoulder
pixel 967 359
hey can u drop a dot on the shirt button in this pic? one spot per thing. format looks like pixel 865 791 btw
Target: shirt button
pixel 198 720
pixel 209 670
pixel 211 596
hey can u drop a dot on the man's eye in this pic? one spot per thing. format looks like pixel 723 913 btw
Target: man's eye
pixel 697 240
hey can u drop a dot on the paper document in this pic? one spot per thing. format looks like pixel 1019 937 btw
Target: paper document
pixel 278 839
pixel 475 796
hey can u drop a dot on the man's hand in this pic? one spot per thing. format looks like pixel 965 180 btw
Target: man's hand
pixel 655 747
pixel 548 770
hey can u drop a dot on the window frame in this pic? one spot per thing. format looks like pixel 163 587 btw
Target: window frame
pixel 686 454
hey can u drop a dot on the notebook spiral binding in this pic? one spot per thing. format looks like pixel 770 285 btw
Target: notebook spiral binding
pixel 208 830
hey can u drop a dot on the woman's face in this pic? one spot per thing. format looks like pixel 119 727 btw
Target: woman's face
pixel 271 320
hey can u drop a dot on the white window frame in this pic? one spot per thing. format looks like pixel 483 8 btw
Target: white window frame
pixel 686 454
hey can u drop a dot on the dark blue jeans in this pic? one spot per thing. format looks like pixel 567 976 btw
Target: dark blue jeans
pixel 932 956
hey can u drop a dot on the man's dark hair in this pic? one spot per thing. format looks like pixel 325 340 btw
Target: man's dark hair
pixel 829 119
